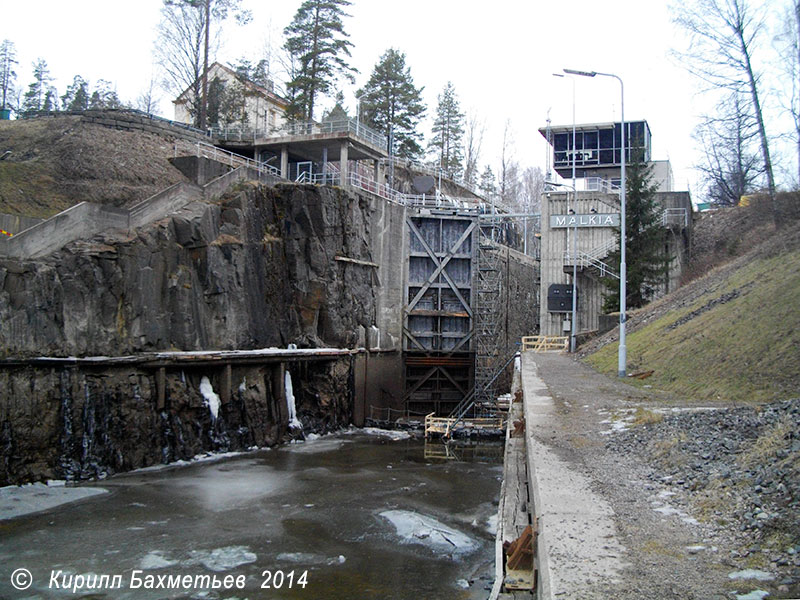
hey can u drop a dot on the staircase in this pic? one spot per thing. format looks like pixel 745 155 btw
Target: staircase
pixel 592 259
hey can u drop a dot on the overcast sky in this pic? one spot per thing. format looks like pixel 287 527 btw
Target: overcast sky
pixel 500 56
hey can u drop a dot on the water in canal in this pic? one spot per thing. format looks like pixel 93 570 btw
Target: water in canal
pixel 344 516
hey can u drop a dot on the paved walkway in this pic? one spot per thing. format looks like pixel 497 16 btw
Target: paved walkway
pixel 600 536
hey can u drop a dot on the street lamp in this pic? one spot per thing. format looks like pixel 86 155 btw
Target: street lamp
pixel 575 233
pixel 622 361
pixel 358 113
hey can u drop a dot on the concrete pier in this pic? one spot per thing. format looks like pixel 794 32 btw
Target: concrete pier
pixel 577 549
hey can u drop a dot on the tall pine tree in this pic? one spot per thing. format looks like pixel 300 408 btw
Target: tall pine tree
pixel 391 102
pixel 448 131
pixel 8 58
pixel 318 44
pixel 645 253
pixel 37 91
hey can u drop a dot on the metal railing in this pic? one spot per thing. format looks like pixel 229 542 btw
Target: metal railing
pixel 234 160
pixel 675 216
pixel 318 178
pixel 593 257
pixel 584 259
pixel 598 184
pixel 246 133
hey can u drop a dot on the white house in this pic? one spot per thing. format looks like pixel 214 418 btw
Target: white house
pixel 266 111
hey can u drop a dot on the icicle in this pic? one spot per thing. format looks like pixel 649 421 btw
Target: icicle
pixel 294 423
pixel 212 400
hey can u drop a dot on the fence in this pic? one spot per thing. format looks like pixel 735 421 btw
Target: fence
pixel 545 343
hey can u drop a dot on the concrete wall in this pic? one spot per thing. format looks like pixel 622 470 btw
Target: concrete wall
pixel 556 241
pixel 390 251
pixel 14 224
pixel 81 221
pixel 590 289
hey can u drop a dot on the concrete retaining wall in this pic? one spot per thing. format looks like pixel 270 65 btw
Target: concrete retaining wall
pixel 134 120
pixel 15 224
pixel 78 222
pixel 162 204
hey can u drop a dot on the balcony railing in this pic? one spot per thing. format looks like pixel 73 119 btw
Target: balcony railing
pixel 244 133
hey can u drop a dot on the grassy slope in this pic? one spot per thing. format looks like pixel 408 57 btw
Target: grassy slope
pixel 55 163
pixel 744 349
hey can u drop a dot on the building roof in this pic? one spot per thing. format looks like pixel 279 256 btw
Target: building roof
pixel 554 129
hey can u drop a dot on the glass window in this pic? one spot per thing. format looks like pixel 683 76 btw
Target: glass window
pixel 606 139
pixel 590 140
pixel 560 141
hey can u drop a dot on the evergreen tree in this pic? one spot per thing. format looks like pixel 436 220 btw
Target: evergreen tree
pixel 77 95
pixel 104 96
pixel 8 58
pixel 37 91
pixel 448 131
pixel 487 183
pixel 50 100
pixel 647 261
pixel 317 43
pixel 391 102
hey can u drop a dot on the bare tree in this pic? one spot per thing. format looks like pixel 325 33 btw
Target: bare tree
pixel 186 42
pixel 789 47
pixel 179 51
pixel 729 140
pixel 509 169
pixel 724 34
pixel 474 130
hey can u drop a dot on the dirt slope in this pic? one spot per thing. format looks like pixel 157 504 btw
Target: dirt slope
pixel 55 163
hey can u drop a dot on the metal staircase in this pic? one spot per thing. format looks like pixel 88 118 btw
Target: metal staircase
pixel 592 259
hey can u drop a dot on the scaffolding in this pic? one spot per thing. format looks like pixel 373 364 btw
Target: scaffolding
pixel 487 286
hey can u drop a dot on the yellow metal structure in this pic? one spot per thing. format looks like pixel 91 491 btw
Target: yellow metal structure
pixel 545 343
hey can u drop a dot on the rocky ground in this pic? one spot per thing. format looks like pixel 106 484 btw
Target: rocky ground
pixel 705 500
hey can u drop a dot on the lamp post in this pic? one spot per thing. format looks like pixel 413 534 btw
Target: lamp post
pixel 358 114
pixel 575 233
pixel 622 361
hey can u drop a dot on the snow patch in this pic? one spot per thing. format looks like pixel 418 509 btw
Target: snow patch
pixel 221 559
pixel 16 501
pixel 751 574
pixel 419 529
pixel 156 560
pixel 491 524
pixel 754 595
pixel 392 434
pixel 212 400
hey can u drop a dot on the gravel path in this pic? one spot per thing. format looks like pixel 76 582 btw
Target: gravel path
pixel 705 500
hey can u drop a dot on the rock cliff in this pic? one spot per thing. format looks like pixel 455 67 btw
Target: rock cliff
pixel 256 268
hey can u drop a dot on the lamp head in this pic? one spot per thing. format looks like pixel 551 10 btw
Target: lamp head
pixel 581 73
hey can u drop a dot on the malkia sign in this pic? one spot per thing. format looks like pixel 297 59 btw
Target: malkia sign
pixel 590 220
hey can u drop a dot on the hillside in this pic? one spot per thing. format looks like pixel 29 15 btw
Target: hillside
pixel 51 164
pixel 733 333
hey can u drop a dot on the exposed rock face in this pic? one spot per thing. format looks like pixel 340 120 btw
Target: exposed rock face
pixel 255 269
pixel 77 423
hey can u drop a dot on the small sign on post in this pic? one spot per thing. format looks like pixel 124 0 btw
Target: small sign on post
pixel 590 220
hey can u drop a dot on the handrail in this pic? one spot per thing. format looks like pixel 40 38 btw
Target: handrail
pixel 675 216
pixel 598 184
pixel 243 132
pixel 223 156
